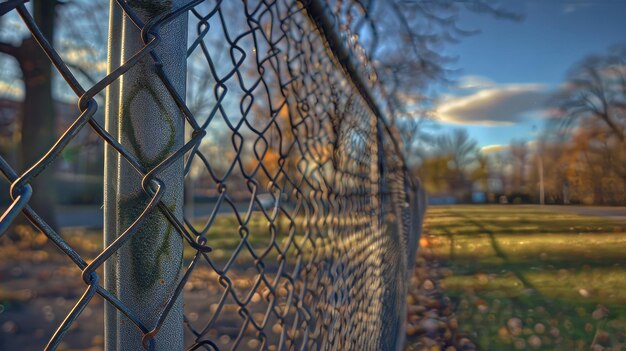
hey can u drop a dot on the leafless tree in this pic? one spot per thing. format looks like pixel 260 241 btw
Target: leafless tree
pixel 461 150
pixel 519 153
pixel 403 41
pixel 596 88
pixel 459 145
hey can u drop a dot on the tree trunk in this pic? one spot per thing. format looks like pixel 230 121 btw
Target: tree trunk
pixel 38 114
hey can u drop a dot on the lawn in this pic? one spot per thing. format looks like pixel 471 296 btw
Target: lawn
pixel 524 278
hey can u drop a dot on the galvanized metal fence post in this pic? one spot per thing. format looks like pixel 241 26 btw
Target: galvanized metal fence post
pixel 111 160
pixel 147 269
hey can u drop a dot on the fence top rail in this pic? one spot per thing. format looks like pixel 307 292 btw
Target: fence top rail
pixel 327 25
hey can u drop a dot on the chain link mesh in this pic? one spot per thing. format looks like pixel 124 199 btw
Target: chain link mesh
pixel 309 234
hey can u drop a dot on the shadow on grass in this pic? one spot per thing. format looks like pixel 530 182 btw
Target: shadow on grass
pixel 500 253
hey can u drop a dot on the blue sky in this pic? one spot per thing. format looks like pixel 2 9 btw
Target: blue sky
pixel 509 69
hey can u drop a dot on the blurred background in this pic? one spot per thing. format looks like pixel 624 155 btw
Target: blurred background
pixel 512 114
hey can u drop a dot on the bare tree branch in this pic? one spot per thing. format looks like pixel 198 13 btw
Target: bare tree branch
pixel 10 49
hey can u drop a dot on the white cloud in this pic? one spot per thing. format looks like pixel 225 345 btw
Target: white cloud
pixel 474 82
pixel 493 148
pixel 498 105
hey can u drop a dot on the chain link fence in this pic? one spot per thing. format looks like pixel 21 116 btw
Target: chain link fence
pixel 247 166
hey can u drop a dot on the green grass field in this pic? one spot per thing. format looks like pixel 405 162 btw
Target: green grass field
pixel 528 278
